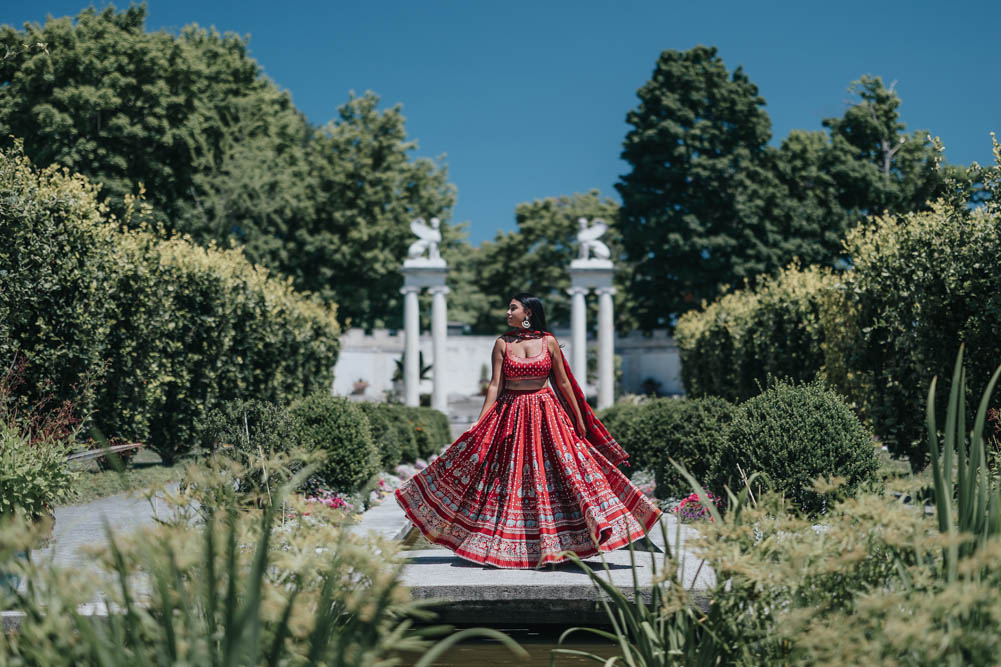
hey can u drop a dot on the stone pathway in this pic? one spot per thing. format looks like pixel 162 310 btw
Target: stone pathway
pixel 86 524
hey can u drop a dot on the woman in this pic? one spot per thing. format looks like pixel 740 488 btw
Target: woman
pixel 536 475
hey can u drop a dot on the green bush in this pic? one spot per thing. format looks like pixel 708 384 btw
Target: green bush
pixel 922 282
pixel 33 475
pixel 618 419
pixel 165 329
pixel 430 428
pixel 690 431
pixel 254 433
pixel 792 435
pixel 338 427
pixel 391 433
pixel 789 326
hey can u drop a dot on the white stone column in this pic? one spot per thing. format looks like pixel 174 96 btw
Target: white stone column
pixel 411 359
pixel 578 333
pixel 439 333
pixel 606 347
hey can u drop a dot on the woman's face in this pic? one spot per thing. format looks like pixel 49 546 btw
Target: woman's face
pixel 516 313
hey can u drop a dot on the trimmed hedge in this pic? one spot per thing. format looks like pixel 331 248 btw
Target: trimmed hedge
pixel 877 333
pixel 165 330
pixel 394 438
pixel 340 428
pixel 789 327
pixel 618 419
pixel 793 435
pixel 690 431
pixel 922 284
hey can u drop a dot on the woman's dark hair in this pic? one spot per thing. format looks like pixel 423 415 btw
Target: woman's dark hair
pixel 537 316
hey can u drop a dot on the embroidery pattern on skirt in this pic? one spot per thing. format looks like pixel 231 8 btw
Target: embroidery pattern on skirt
pixel 521 487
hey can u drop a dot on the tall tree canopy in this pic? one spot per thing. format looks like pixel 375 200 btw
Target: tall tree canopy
pixel 695 148
pixel 708 203
pixel 222 153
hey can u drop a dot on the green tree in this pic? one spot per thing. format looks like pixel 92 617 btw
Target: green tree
pixel 367 192
pixel 119 104
pixel 535 258
pixel 693 203
pixel 881 168
pixel 222 154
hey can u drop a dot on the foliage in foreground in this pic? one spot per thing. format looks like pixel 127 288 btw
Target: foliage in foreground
pixel 35 437
pixel 876 581
pixel 257 588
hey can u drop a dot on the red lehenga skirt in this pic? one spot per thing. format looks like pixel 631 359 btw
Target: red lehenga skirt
pixel 520 488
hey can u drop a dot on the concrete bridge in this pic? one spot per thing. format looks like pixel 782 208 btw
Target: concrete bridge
pixel 470 593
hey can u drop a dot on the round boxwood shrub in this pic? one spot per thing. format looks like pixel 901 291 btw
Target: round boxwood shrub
pixel 253 433
pixel 690 431
pixel 794 434
pixel 618 419
pixel 339 427
pixel 390 433
pixel 430 428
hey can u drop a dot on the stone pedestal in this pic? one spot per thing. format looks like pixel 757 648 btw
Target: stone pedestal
pixel 420 273
pixel 597 274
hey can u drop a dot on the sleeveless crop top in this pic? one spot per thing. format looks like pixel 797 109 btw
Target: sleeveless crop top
pixel 523 368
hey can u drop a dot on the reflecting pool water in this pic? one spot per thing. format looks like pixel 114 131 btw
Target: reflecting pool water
pixel 539 642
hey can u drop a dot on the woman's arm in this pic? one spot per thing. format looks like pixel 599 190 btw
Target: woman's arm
pixel 496 380
pixel 563 385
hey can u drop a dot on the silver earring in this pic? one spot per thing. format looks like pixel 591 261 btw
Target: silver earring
pixel 525 323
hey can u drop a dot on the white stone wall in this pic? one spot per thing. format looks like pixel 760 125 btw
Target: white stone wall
pixel 372 358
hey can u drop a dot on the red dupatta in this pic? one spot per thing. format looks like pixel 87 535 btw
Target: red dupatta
pixel 597 435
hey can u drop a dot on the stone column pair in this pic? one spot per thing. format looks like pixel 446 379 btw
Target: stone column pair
pixel 420 271
pixel 411 353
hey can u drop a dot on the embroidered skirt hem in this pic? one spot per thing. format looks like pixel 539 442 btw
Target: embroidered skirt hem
pixel 521 488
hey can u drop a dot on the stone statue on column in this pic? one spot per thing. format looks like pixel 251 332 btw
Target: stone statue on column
pixel 587 240
pixel 428 239
pixel 420 271
pixel 587 273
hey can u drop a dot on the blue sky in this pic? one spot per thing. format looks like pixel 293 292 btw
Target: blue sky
pixel 528 99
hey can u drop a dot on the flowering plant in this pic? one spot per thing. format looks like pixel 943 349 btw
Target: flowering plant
pixel 331 500
pixel 691 508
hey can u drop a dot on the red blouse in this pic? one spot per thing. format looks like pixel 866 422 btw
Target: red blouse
pixel 521 368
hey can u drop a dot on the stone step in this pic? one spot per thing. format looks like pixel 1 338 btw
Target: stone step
pixel 470 593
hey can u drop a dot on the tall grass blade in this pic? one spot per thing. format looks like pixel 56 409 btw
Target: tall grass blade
pixel 950 421
pixel 943 504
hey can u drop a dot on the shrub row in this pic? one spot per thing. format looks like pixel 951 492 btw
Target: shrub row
pixel 877 333
pixel 164 330
pixel 355 440
pixel 730 347
pixel 791 434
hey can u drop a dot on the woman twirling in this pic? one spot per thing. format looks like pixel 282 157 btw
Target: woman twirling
pixel 536 475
